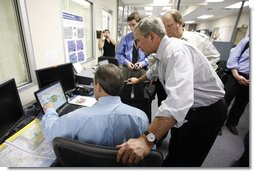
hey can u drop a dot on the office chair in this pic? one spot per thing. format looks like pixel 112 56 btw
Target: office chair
pixel 74 153
pixel 112 60
pixel 142 103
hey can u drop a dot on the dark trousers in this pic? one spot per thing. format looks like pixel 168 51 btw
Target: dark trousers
pixel 244 160
pixel 159 90
pixel 138 88
pixel 241 94
pixel 161 95
pixel 190 144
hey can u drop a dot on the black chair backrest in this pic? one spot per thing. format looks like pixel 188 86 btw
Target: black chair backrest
pixel 142 103
pixel 74 153
pixel 112 60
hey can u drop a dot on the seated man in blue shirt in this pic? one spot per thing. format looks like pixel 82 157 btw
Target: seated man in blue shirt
pixel 108 122
pixel 132 59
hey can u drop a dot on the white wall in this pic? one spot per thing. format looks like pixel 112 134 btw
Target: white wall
pixel 227 22
pixel 45 23
pixel 46 32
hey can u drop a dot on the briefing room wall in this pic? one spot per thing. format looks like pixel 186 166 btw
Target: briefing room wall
pixel 225 22
pixel 44 18
pixel 45 24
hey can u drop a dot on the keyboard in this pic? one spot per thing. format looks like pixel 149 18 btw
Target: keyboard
pixel 68 108
pixel 23 122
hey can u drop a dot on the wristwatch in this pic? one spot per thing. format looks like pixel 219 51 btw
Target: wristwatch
pixel 150 137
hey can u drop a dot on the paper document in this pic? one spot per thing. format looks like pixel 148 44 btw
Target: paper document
pixel 83 101
pixel 27 148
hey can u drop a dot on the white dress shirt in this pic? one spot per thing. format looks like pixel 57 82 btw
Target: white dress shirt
pixel 188 79
pixel 203 43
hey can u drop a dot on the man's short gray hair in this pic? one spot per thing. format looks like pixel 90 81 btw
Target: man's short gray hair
pixel 151 24
pixel 110 77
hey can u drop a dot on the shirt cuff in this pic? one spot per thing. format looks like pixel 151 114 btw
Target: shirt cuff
pixel 51 111
pixel 180 118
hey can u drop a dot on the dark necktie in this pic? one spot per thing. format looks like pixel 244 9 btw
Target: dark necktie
pixel 134 54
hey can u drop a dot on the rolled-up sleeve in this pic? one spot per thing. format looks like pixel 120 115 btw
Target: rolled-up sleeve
pixel 233 60
pixel 152 73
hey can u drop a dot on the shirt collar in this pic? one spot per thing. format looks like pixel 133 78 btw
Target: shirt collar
pixel 184 36
pixel 164 42
pixel 109 100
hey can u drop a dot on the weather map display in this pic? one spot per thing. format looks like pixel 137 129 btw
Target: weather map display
pixel 52 94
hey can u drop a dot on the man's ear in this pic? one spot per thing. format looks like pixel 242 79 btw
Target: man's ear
pixel 151 36
pixel 99 87
pixel 180 23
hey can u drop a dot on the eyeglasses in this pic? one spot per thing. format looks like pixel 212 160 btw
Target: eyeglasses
pixel 132 25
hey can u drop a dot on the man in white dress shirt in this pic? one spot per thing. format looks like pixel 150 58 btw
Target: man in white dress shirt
pixel 174 25
pixel 194 109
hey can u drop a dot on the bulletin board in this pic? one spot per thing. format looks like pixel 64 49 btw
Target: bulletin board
pixel 74 37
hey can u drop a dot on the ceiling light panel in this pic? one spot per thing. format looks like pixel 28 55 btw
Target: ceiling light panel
pixel 204 16
pixel 214 0
pixel 160 1
pixel 238 5
pixel 166 8
pixel 189 22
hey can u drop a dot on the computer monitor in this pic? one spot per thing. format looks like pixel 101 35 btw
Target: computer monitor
pixel 106 60
pixel 64 73
pixel 11 109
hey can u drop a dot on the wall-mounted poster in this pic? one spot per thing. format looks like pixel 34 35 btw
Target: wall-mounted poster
pixel 74 38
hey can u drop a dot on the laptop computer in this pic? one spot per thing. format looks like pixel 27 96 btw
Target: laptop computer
pixel 54 93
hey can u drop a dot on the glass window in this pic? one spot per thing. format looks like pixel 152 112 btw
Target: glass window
pixel 84 9
pixel 13 58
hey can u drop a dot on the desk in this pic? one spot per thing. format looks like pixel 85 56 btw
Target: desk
pixel 27 148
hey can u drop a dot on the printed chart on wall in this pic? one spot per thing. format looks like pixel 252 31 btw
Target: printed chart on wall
pixel 74 37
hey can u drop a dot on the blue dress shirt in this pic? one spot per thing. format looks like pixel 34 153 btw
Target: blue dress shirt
pixel 241 63
pixel 108 122
pixel 124 51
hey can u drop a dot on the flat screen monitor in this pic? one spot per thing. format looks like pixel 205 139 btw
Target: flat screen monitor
pixel 63 73
pixel 11 109
pixel 107 60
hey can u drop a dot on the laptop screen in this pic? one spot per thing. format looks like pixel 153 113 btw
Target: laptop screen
pixel 103 62
pixel 51 93
pixel 77 67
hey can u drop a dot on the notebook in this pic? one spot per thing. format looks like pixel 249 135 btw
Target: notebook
pixel 54 93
